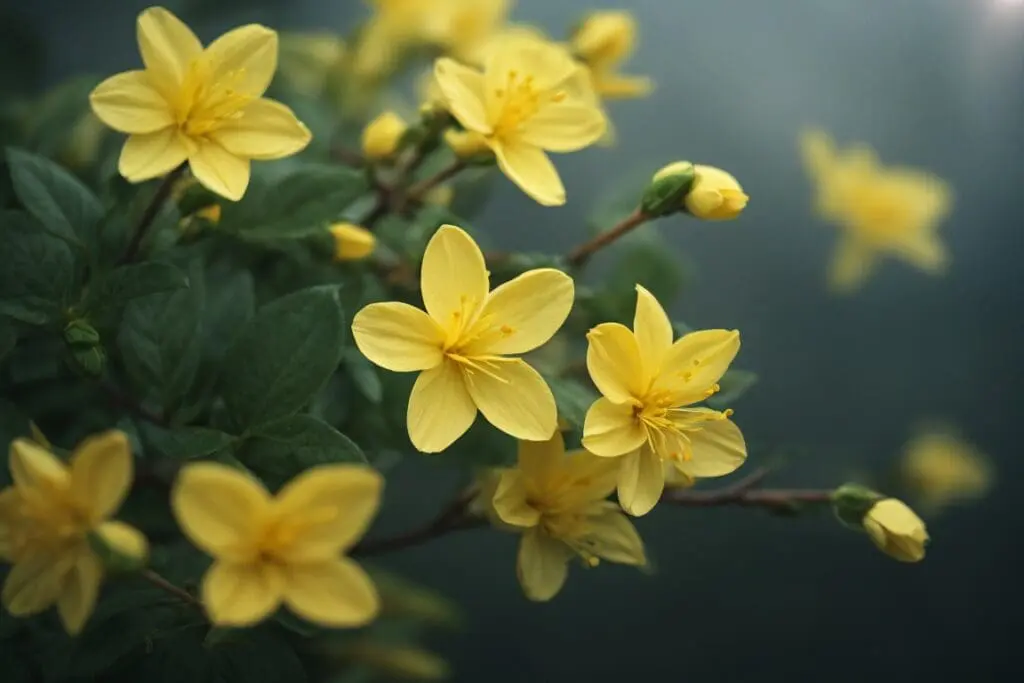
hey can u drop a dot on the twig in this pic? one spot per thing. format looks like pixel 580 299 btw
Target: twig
pixel 454 517
pixel 165 585
pixel 581 254
pixel 348 157
pixel 417 191
pixel 147 217
pixel 744 494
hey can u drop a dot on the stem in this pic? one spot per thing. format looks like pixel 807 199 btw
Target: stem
pixel 146 220
pixel 742 494
pixel 165 585
pixel 417 191
pixel 348 157
pixel 454 517
pixel 581 254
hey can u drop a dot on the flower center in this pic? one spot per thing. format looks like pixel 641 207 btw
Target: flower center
pixel 49 521
pixel 205 103
pixel 518 101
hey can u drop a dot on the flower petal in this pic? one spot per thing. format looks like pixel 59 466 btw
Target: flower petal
pixel 695 363
pixel 514 398
pixel 78 596
pixel 852 263
pixel 616 86
pixel 35 470
pixel 611 429
pixel 124 539
pixel 614 363
pixel 168 47
pixel 641 482
pixel 542 565
pixel 265 130
pixel 718 449
pixel 925 251
pixel 510 500
pixel 218 507
pixel 35 582
pixel 128 102
pixel 652 329
pixel 531 169
pixel 242 594
pixel 463 89
pixel 334 593
pixel 524 313
pixel 219 171
pixel 10 522
pixel 440 408
pixel 614 538
pixel 539 460
pixel 564 127
pixel 244 59
pixel 547 64
pixel 454 278
pixel 101 473
pixel 335 504
pixel 151 155
pixel 398 337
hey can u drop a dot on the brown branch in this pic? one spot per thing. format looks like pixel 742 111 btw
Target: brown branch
pixel 420 189
pixel 165 585
pixel 454 517
pixel 348 157
pixel 582 253
pixel 744 493
pixel 163 191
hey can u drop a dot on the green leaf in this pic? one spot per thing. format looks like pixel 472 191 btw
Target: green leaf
pixel 572 398
pixel 283 356
pixel 261 655
pixel 734 384
pixel 38 272
pixel 364 375
pixel 123 284
pixel 186 443
pixel 280 450
pixel 8 337
pixel 65 207
pixel 649 262
pixel 230 303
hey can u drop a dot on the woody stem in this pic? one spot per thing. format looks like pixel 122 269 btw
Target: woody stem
pixel 579 256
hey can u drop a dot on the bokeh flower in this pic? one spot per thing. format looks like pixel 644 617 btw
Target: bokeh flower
pixel 941 469
pixel 603 41
pixel 352 242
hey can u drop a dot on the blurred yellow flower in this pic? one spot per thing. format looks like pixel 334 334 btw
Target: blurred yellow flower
pixel 463 344
pixel 403 662
pixel 941 469
pixel 463 27
pixel 647 383
pixel 882 210
pixel 287 548
pixel 603 41
pixel 530 97
pixel 199 105
pixel 382 136
pixel 896 530
pixel 558 501
pixel 352 242
pixel 48 516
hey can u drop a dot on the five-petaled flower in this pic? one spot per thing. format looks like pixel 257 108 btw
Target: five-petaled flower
pixel 558 501
pixel 463 343
pixel 530 97
pixel 52 515
pixel 647 413
pixel 199 105
pixel 287 548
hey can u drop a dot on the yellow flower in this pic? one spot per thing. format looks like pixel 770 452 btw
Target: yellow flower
pixel 896 530
pixel 382 135
pixel 646 415
pixel 941 469
pixel 463 27
pixel 466 144
pixel 603 41
pixel 464 342
pixel 270 550
pixel 715 195
pixel 48 516
pixel 881 210
pixel 530 97
pixel 352 242
pixel 199 105
pixel 558 501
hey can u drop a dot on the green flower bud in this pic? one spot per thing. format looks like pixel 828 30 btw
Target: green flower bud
pixel 668 189
pixel 851 502
pixel 88 360
pixel 81 333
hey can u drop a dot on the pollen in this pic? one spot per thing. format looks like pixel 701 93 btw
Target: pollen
pixel 507 331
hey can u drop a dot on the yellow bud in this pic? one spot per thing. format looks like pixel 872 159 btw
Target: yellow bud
pixel 604 37
pixel 715 195
pixel 896 530
pixel 382 136
pixel 467 144
pixel 352 242
pixel 121 547
pixel 399 661
pixel 441 195
pixel 210 213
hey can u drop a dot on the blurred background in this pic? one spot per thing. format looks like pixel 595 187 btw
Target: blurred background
pixel 736 594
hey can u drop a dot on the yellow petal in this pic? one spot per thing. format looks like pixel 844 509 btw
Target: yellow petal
pixel 652 329
pixel 125 540
pixel 545 63
pixel 334 504
pixel 614 86
pixel 454 277
pixel 36 471
pixel 168 47
pixel 695 363
pixel 218 507
pixel 925 251
pixel 334 593
pixel 352 242
pixel 531 169
pixel 440 408
pixel 78 596
pixel 611 429
pixel 614 363
pixel 514 398
pixel 613 537
pixel 463 89
pixel 242 594
pixel 219 171
pixel 10 522
pixel 542 565
pixel 129 103
pixel 851 265
pixel 265 130
pixel 641 482
pixel 35 582
pixel 151 155
pixel 567 126
pixel 398 337
pixel 244 59
pixel 539 460
pixel 818 152
pixel 592 478
pixel 101 473
pixel 524 313
pixel 717 449
pixel 510 501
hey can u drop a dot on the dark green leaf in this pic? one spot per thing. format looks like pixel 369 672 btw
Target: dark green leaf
pixel 14 663
pixel 364 375
pixel 62 204
pixel 572 398
pixel 230 303
pixel 8 337
pixel 280 450
pixel 186 443
pixel 123 284
pixel 734 384
pixel 38 271
pixel 283 356
pixel 649 262
pixel 261 655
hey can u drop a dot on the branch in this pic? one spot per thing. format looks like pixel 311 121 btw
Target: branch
pixel 744 493
pixel 147 217
pixel 581 254
pixel 417 191
pixel 454 517
pixel 165 585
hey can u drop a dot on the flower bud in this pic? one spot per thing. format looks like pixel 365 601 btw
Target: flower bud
pixel 121 548
pixel 468 145
pixel 851 502
pixel 604 37
pixel 81 333
pixel 896 530
pixel 352 242
pixel 382 136
pixel 715 195
pixel 667 189
pixel 88 360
